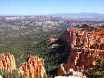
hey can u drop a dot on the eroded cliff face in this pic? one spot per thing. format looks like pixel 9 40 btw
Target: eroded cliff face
pixel 7 62
pixel 34 66
pixel 85 47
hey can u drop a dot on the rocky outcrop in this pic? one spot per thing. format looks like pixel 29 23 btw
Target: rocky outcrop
pixel 68 77
pixel 52 40
pixel 7 62
pixel 34 66
pixel 73 74
pixel 82 58
pixel 85 47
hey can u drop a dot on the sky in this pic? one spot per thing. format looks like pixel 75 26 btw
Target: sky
pixel 38 7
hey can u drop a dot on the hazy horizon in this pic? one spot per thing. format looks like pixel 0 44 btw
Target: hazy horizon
pixel 49 14
pixel 43 7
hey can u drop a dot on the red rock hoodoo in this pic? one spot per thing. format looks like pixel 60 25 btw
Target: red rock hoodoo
pixel 7 62
pixel 32 67
pixel 85 46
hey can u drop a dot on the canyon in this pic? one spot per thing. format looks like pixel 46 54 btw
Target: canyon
pixel 84 44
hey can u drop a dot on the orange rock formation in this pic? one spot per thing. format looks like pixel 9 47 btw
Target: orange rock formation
pixel 7 62
pixel 32 67
pixel 85 46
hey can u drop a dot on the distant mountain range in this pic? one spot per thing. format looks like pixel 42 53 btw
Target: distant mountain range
pixel 81 16
pixel 71 16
